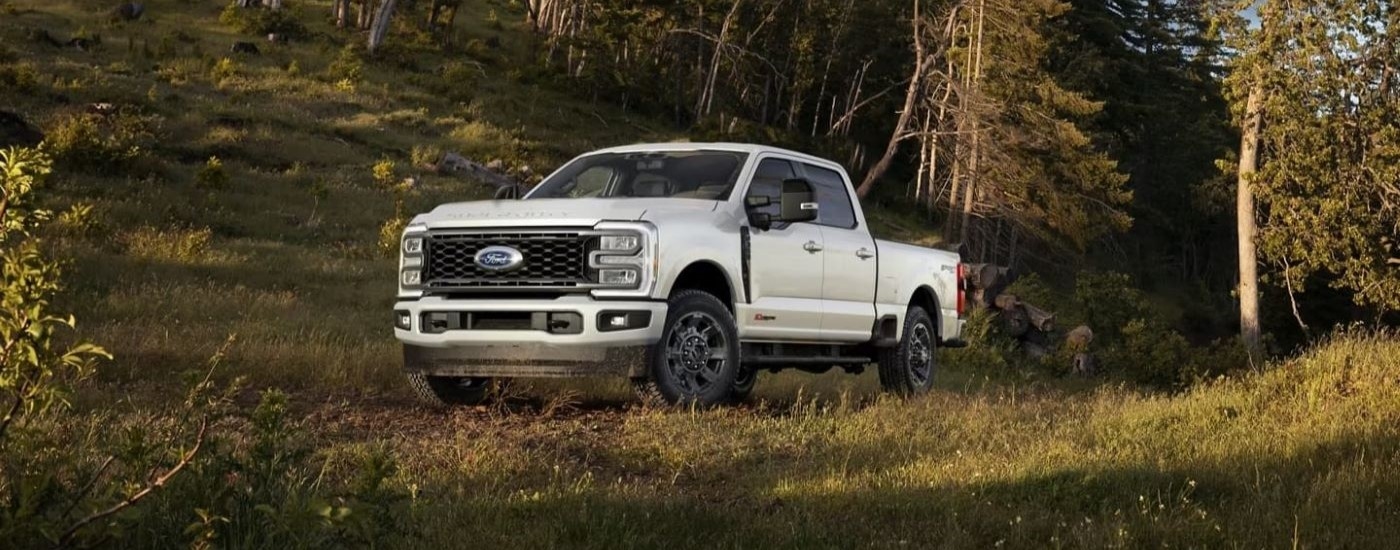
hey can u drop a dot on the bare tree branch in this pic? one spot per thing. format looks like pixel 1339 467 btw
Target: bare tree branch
pixel 160 481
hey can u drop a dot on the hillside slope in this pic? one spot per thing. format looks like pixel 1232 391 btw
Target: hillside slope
pixel 277 244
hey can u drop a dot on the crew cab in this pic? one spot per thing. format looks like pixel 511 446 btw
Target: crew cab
pixel 687 267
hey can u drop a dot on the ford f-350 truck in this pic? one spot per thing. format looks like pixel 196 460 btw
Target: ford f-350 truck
pixel 687 267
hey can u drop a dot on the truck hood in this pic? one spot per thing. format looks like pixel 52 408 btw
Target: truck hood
pixel 554 212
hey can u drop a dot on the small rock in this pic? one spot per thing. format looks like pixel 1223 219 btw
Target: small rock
pixel 129 11
pixel 245 47
pixel 495 165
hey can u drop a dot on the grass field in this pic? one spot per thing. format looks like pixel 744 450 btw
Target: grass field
pixel 279 249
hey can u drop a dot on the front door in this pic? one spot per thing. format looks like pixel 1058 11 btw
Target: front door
pixel 785 269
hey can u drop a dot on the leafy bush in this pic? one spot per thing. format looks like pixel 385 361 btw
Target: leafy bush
pixel 184 246
pixel 211 175
pixel 261 22
pixel 223 69
pixel 347 65
pixel 1131 338
pixel 114 144
pixel 22 77
pixel 271 490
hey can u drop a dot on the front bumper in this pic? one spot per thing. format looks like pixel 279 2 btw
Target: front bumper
pixel 587 350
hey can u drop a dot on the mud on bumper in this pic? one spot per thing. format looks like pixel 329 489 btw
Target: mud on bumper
pixel 526 361
pixel 565 337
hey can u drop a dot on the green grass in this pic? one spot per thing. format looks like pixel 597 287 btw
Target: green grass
pixel 165 270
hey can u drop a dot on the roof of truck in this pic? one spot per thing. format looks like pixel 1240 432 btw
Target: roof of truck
pixel 751 148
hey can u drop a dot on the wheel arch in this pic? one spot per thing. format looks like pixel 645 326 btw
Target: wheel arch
pixel 926 298
pixel 706 276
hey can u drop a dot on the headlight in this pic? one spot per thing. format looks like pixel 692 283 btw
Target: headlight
pixel 411 261
pixel 624 260
pixel 618 243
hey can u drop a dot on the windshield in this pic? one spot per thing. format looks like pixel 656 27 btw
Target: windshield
pixel 707 175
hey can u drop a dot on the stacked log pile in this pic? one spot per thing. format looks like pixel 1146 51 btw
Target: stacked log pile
pixel 1031 327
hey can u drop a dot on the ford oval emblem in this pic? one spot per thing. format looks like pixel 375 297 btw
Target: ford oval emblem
pixel 499 258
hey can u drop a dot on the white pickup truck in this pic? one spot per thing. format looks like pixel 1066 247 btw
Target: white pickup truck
pixel 687 267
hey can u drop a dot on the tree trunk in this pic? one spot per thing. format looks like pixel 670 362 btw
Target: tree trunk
pixel 381 25
pixel 1244 214
pixel 974 161
pixel 341 12
pixel 911 94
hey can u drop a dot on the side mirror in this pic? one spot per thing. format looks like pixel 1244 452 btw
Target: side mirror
pixel 510 192
pixel 798 202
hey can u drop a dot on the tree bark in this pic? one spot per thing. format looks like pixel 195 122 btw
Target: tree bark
pixel 911 94
pixel 974 161
pixel 1245 223
pixel 380 27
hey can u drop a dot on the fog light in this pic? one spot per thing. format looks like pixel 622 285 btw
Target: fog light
pixel 619 277
pixel 609 321
pixel 403 320
pixel 411 277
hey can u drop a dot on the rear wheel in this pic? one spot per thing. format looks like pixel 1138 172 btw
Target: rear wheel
pixel 450 390
pixel 697 359
pixel 743 385
pixel 907 369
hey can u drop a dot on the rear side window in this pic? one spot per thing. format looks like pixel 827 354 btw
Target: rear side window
pixel 833 197
pixel 768 182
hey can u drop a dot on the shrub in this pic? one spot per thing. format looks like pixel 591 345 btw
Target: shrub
pixel 184 246
pixel 389 233
pixel 347 65
pixel 21 77
pixel 211 175
pixel 223 69
pixel 112 145
pixel 261 22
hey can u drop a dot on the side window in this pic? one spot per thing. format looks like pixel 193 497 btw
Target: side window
pixel 833 197
pixel 768 181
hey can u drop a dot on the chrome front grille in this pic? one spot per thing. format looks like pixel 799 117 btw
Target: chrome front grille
pixel 552 259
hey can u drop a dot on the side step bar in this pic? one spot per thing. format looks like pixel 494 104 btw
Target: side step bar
pixel 804 359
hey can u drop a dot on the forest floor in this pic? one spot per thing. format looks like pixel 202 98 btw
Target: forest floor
pixel 277 263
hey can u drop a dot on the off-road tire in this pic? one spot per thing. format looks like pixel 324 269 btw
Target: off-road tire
pixel 743 385
pixel 685 368
pixel 441 391
pixel 908 369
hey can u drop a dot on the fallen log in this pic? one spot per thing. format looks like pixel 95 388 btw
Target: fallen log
pixel 456 164
pixel 1031 327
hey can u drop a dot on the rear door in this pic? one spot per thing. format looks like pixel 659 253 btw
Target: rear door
pixel 785 268
pixel 848 261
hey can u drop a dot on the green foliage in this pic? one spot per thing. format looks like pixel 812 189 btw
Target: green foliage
pixel 348 65
pixel 1132 338
pixel 211 175
pixel 36 365
pixel 271 490
pixel 261 22
pixel 21 77
pixel 1329 207
pixel 223 69
pixel 113 144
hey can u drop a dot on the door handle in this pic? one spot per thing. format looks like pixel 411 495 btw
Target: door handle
pixel 812 247
pixel 865 254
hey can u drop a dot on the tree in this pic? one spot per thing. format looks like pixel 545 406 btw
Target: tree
pixel 380 27
pixel 1323 77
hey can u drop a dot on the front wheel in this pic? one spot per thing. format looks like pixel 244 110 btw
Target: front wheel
pixel 450 390
pixel 907 369
pixel 696 361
